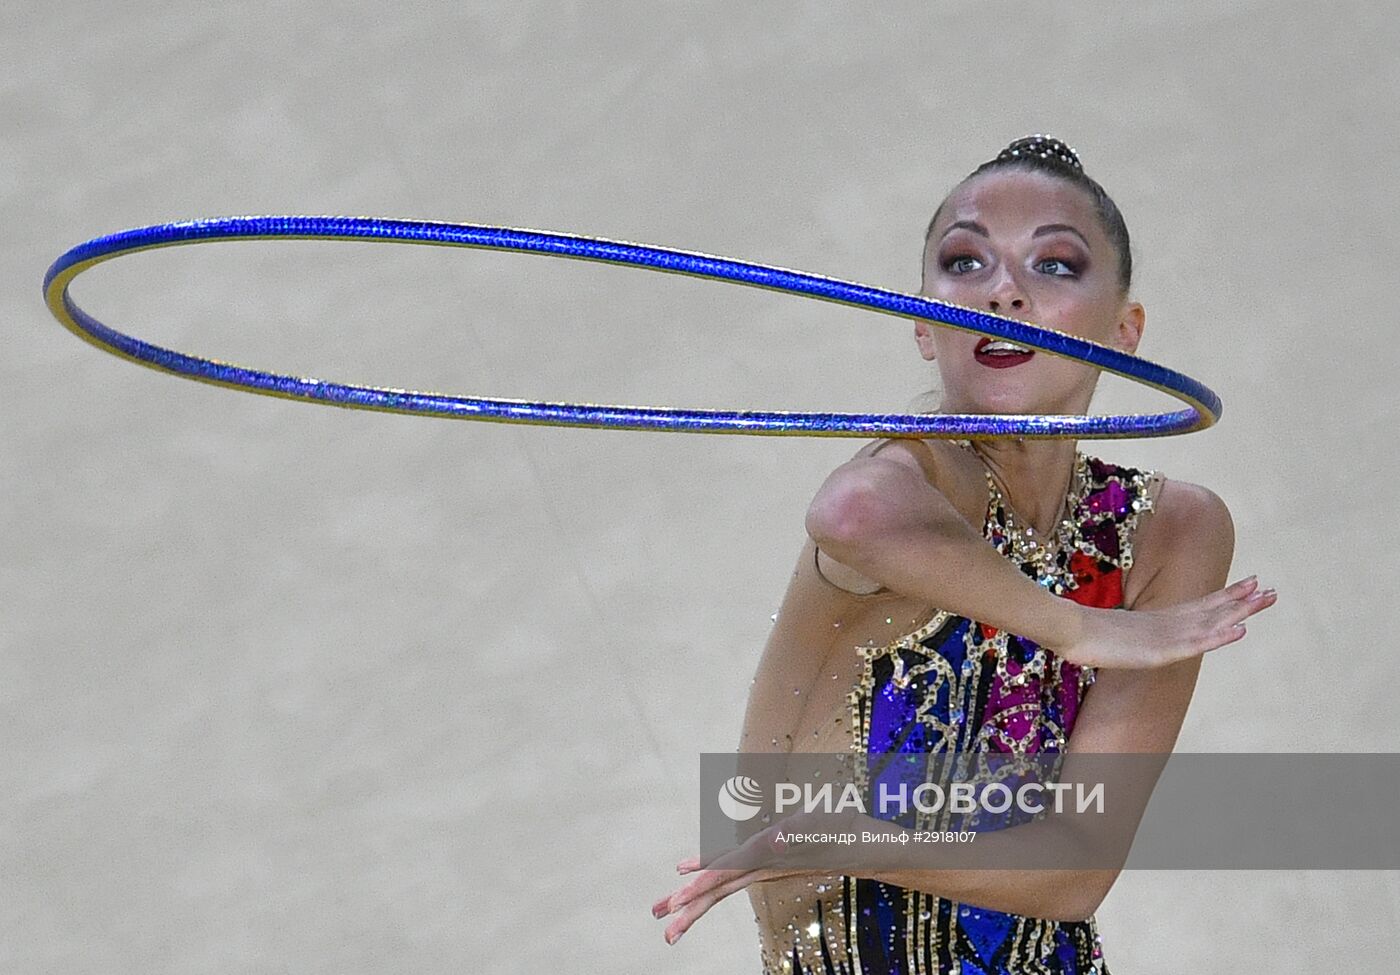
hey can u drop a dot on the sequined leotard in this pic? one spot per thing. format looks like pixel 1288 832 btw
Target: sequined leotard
pixel 957 684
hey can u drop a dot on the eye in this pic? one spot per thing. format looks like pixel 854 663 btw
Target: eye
pixel 1070 269
pixel 956 264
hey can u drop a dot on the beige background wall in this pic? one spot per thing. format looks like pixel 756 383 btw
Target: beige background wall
pixel 294 689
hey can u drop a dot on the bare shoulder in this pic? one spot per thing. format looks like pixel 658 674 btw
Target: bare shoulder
pixel 1193 510
pixel 934 459
pixel 1185 543
pixel 931 460
pixel 835 575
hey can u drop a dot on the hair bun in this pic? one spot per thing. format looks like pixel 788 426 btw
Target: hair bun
pixel 1044 147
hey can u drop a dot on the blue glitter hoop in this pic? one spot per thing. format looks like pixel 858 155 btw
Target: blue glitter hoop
pixel 1203 412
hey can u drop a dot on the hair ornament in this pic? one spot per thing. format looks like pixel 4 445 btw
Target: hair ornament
pixel 1044 147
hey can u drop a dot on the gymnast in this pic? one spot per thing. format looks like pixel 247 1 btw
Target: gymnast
pixel 1015 561
pixel 906 629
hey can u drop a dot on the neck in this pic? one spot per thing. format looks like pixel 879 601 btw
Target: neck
pixel 1034 475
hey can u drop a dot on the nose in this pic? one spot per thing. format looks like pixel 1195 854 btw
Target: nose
pixel 1006 297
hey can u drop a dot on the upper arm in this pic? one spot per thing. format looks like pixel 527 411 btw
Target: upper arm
pixel 796 649
pixel 1187 545
pixel 1190 542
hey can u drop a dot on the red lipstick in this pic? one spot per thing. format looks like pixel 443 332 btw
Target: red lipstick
pixel 999 360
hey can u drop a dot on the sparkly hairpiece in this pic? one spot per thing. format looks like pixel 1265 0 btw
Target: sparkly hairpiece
pixel 1044 147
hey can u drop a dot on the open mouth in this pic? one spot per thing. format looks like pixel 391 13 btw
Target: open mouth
pixel 1001 354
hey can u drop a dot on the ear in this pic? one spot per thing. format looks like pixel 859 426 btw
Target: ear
pixel 1131 321
pixel 923 335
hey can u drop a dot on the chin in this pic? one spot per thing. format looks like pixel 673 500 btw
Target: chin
pixel 1016 401
pixel 1004 394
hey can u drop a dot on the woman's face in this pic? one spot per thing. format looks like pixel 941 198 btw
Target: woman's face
pixel 1031 247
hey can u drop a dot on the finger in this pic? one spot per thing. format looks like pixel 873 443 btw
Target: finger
pixel 1255 603
pixel 673 901
pixel 1230 593
pixel 677 899
pixel 1245 608
pixel 682 899
pixel 697 908
pixel 1262 599
pixel 1208 634
pixel 704 882
pixel 1227 636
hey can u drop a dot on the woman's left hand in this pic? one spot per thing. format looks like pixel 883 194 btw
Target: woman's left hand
pixel 713 885
pixel 709 888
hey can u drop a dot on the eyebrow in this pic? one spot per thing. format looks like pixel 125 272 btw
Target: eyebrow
pixel 1040 231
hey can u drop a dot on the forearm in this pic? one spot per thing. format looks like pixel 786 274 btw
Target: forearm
pixel 1060 893
pixel 934 555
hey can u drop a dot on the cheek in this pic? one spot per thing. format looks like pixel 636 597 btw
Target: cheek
pixel 1060 373
pixel 1080 316
pixel 952 344
pixel 942 288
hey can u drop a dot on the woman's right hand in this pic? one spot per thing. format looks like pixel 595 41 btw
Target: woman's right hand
pixel 1141 639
